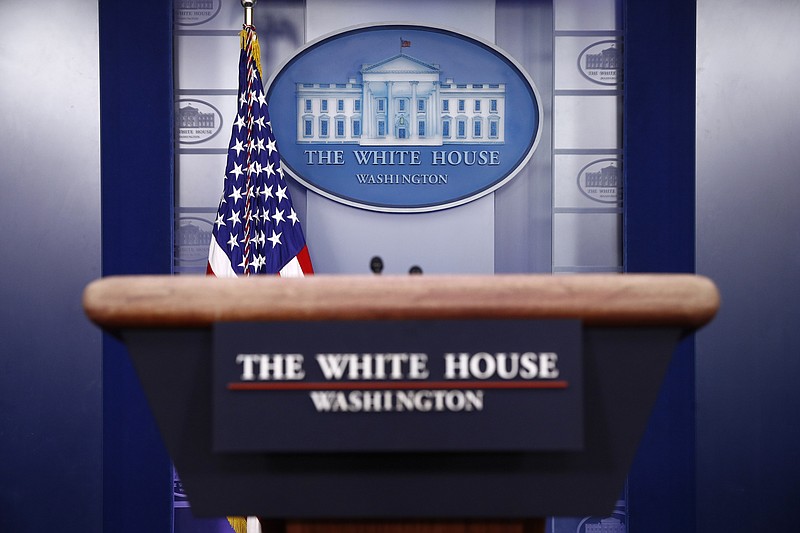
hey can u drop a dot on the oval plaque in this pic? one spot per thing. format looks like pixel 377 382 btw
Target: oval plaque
pixel 601 180
pixel 601 62
pixel 196 12
pixel 403 118
pixel 197 121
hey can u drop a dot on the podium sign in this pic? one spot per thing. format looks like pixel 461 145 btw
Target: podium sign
pixel 383 386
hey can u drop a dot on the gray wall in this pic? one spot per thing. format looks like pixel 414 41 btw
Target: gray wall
pixel 748 241
pixel 50 358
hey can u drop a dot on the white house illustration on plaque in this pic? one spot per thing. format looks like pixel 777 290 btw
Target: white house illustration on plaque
pixel 401 100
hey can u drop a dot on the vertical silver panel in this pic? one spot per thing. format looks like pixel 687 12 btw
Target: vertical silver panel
pixel 50 355
pixel 748 400
pixel 523 207
pixel 587 136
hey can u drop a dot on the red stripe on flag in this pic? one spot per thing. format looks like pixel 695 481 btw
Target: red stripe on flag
pixel 305 261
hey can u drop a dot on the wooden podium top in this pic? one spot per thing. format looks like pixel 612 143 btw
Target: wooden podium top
pixel 685 301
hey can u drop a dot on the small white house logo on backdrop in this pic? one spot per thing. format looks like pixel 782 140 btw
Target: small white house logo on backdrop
pixel 602 62
pixel 602 525
pixel 195 12
pixel 197 121
pixel 601 181
pixel 192 236
pixel 615 523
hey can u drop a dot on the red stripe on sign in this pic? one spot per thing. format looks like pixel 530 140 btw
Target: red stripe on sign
pixel 396 385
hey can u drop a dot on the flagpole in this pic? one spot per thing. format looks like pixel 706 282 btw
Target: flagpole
pixel 248 11
pixel 249 524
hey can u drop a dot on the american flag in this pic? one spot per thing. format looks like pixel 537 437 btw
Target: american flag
pixel 257 230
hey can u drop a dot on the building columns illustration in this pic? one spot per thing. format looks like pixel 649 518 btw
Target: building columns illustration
pixel 413 111
pixel 389 110
pixel 401 103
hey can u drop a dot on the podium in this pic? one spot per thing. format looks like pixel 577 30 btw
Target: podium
pixel 625 327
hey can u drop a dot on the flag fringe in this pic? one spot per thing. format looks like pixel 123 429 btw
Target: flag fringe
pixel 256 48
pixel 238 523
